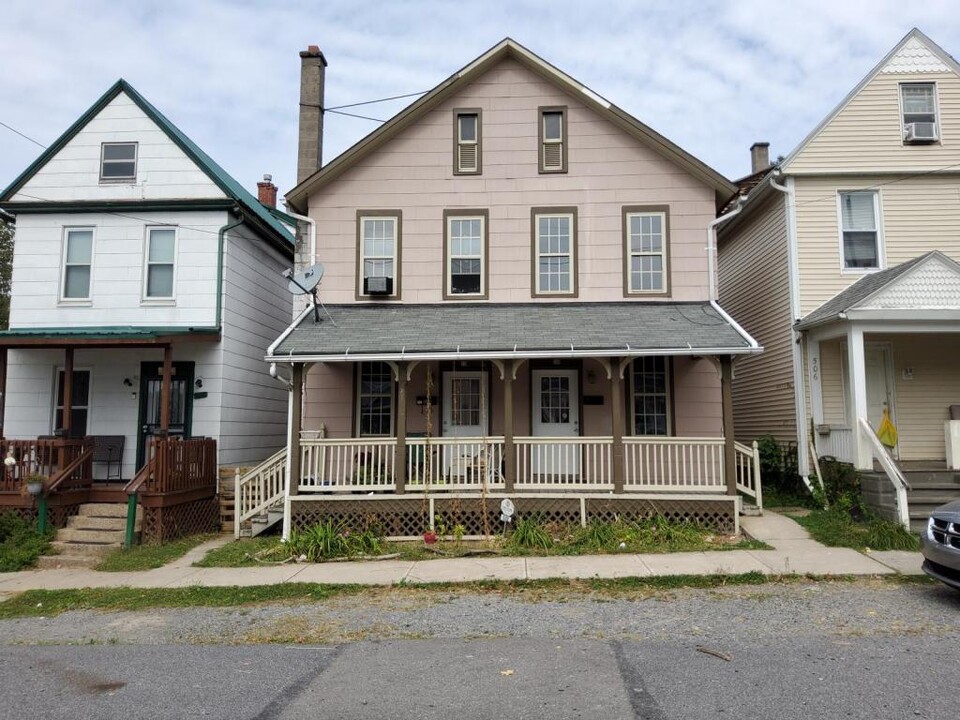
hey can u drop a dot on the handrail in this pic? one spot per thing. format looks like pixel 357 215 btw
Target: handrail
pixel 900 484
pixel 143 474
pixel 259 500
pixel 62 476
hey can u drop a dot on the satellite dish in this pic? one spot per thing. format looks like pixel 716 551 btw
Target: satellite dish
pixel 305 282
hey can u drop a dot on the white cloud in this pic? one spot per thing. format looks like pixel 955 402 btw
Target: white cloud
pixel 712 76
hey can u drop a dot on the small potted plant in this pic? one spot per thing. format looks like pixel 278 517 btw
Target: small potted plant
pixel 429 537
pixel 33 483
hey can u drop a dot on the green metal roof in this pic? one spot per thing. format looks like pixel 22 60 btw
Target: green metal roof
pixel 217 174
pixel 104 332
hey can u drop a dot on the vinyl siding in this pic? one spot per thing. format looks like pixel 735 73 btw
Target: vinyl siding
pixel 754 287
pixel 164 171
pixel 256 309
pixel 918 214
pixel 866 135
pixel 833 385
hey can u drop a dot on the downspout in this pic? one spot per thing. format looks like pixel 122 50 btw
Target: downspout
pixel 313 232
pixel 221 243
pixel 799 386
pixel 712 246
pixel 275 374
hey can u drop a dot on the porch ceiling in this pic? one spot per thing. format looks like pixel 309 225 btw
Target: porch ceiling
pixel 103 336
pixel 518 330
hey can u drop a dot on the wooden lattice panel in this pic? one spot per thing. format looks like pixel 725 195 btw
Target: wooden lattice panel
pixel 392 517
pixel 164 524
pixel 713 514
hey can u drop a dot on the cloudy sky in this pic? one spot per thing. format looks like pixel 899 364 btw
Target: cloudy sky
pixel 712 76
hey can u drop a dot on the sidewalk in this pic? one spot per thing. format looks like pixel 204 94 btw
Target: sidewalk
pixel 794 553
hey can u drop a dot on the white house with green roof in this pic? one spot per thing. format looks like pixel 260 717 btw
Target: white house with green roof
pixel 146 287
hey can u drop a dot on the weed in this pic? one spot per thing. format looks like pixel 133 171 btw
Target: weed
pixel 330 539
pixel 20 543
pixel 148 557
pixel 836 527
pixel 529 533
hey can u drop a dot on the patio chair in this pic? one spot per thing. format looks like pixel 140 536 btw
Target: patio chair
pixel 108 449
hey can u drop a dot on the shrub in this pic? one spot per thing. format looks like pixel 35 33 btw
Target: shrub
pixel 20 543
pixel 529 532
pixel 330 539
pixel 778 466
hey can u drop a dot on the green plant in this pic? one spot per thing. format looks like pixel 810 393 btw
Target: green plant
pixel 148 557
pixel 458 532
pixel 529 532
pixel 332 539
pixel 20 543
pixel 836 527
pixel 598 535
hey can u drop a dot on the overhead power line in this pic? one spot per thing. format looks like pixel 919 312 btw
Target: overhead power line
pixel 25 137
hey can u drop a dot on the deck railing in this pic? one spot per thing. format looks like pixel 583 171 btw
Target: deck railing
pixel 46 457
pixel 675 464
pixel 174 464
pixel 551 463
pixel 451 463
pixel 347 465
pixel 748 472
pixel 259 489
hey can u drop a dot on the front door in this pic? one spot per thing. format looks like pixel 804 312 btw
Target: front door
pixel 465 415
pixel 555 413
pixel 878 376
pixel 181 403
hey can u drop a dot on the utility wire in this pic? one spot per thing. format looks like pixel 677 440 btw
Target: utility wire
pixel 362 117
pixel 373 102
pixel 25 137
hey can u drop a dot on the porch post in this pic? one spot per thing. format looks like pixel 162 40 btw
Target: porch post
pixel 296 424
pixel 862 455
pixel 729 449
pixel 616 403
pixel 67 415
pixel 509 449
pixel 400 457
pixel 165 390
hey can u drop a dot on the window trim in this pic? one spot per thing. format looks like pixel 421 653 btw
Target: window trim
pixel 936 113
pixel 457 113
pixel 357 385
pixel 397 215
pixel 64 243
pixel 54 412
pixel 535 214
pixel 541 111
pixel 467 214
pixel 632 210
pixel 146 299
pixel 668 367
pixel 126 179
pixel 878 221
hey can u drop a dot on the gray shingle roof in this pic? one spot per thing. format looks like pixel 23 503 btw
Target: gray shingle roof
pixel 859 291
pixel 383 329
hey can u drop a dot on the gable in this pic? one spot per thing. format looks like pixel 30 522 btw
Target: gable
pixel 865 132
pixel 932 284
pixel 164 172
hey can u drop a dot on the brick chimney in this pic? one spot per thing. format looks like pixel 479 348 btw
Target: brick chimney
pixel 310 146
pixel 267 191
pixel 759 156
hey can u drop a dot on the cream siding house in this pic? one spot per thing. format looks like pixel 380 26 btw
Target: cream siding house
pixel 517 302
pixel 862 225
pixel 146 286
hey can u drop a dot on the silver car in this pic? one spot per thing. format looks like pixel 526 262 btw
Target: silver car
pixel 940 544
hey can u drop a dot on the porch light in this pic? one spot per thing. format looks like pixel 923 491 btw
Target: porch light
pixel 127 382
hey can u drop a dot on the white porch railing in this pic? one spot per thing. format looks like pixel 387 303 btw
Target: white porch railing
pixel 259 489
pixel 451 463
pixel 550 463
pixel 900 484
pixel 347 464
pixel 748 472
pixel 676 464
pixel 837 443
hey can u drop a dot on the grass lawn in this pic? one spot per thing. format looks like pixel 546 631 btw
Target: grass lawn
pixel 148 557
pixel 836 528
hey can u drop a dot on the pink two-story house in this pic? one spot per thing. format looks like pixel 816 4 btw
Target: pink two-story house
pixel 518 304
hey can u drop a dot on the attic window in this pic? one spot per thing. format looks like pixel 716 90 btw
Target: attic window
pixel 553 140
pixel 918 101
pixel 118 162
pixel 467 148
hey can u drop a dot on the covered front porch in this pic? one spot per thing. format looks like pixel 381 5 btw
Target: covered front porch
pixel 574 429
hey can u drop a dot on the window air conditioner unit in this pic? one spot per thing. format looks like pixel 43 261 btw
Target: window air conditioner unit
pixel 920 132
pixel 378 286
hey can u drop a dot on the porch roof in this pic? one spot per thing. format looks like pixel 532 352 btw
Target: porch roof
pixel 112 336
pixel 358 332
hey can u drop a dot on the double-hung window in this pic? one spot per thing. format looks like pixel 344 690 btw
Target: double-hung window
pixel 645 246
pixel 553 140
pixel 79 402
pixel 467 151
pixel 651 406
pixel 859 230
pixel 554 251
pixel 160 263
pixel 118 162
pixel 378 245
pixel 375 399
pixel 465 251
pixel 918 102
pixel 77 264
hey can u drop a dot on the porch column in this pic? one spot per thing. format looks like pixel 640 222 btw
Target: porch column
pixel 862 454
pixel 67 416
pixel 165 390
pixel 729 449
pixel 400 457
pixel 616 408
pixel 296 423
pixel 509 449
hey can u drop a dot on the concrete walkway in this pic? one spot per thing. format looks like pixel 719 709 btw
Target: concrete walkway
pixel 794 553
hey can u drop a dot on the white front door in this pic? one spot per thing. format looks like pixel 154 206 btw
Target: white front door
pixel 555 413
pixel 879 392
pixel 465 415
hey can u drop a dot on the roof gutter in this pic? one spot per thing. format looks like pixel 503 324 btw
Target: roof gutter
pixel 736 326
pixel 712 247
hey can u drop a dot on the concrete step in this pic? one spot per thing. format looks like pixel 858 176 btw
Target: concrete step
pixel 53 562
pixel 933 499
pixel 79 535
pixel 924 477
pixel 115 510
pixel 90 522
pixel 97 550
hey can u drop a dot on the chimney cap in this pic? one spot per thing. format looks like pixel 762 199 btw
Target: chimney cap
pixel 313 51
pixel 760 144
pixel 267 177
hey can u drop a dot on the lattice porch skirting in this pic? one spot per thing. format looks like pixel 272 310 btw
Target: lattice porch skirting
pixel 408 516
pixel 166 523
